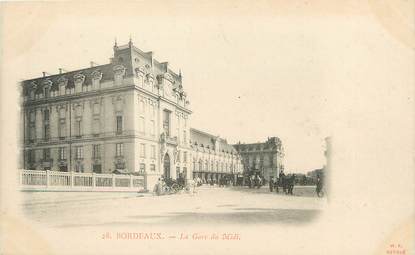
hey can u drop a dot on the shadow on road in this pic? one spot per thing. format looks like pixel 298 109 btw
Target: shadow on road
pixel 299 191
pixel 244 216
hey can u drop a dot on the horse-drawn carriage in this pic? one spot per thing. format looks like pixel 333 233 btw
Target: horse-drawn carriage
pixel 286 182
pixel 170 186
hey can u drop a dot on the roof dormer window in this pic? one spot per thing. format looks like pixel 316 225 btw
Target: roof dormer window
pixel 139 73
pixel 79 81
pixel 62 83
pixel 96 79
pixel 119 72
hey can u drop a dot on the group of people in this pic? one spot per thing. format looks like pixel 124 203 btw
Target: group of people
pixel 256 181
pixel 283 181
pixel 169 185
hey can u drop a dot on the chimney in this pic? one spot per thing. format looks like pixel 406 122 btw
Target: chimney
pixel 92 63
pixel 61 71
pixel 44 74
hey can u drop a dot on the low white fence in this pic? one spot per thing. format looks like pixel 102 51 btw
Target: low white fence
pixel 73 181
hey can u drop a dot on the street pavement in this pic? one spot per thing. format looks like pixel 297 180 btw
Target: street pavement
pixel 209 205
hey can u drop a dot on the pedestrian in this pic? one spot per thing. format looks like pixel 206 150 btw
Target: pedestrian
pixel 258 181
pixel 192 186
pixel 319 186
pixel 291 185
pixel 159 187
pixel 271 184
pixel 251 181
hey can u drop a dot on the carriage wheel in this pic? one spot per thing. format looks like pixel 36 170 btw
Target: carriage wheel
pixel 175 187
pixel 166 189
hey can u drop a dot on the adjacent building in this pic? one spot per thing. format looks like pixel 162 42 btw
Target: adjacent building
pixel 130 115
pixel 213 158
pixel 264 158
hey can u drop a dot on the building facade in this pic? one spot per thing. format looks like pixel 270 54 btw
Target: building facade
pixel 265 158
pixel 213 158
pixel 131 115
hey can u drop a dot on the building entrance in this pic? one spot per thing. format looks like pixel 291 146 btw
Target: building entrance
pixel 166 165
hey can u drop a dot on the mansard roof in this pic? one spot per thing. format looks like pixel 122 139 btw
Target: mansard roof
pixel 271 143
pixel 205 140
pixel 106 70
pixel 127 51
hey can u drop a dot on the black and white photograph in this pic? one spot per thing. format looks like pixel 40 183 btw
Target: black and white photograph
pixel 185 127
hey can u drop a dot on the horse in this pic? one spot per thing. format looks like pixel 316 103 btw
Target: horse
pixel 286 182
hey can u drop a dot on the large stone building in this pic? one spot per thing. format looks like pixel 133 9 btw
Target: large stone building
pixel 265 158
pixel 129 115
pixel 213 158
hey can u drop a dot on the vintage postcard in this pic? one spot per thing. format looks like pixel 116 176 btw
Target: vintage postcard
pixel 207 127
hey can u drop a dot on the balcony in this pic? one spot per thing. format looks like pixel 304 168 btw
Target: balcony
pixel 172 140
pixel 47 162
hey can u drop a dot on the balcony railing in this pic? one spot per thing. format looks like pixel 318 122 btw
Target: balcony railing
pixel 72 181
pixel 172 140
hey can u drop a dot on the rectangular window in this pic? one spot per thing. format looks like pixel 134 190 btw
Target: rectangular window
pixel 142 150
pixel 153 151
pixel 153 167
pixel 152 128
pixel 46 115
pixel 184 137
pixel 96 109
pixel 96 151
pixel 185 157
pixel 31 158
pixel 46 127
pixel 178 129
pixel 32 132
pixel 61 89
pixel 32 117
pixel 62 153
pixel 141 107
pixel 78 127
pixel 62 128
pixel 166 122
pixel 153 111
pixel 178 156
pixel 142 168
pixel 119 124
pixel 118 78
pixel 79 152
pixel 79 168
pixel 62 113
pixel 95 126
pixel 141 126
pixel 47 131
pixel 47 92
pixel 96 168
pixel 46 154
pixel 95 83
pixel 119 149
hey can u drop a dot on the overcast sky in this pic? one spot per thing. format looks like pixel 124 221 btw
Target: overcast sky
pixel 248 76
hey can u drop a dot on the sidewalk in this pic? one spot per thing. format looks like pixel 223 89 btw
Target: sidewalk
pixel 50 197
